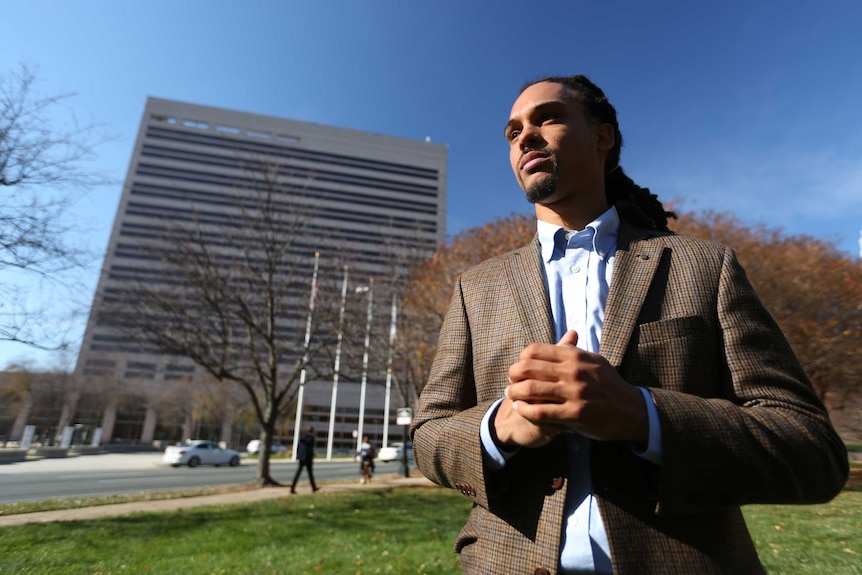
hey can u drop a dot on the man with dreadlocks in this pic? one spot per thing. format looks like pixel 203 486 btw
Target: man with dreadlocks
pixel 611 394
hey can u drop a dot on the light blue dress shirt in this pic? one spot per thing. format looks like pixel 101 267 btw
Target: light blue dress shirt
pixel 578 268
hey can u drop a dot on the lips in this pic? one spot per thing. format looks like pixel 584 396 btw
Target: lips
pixel 533 160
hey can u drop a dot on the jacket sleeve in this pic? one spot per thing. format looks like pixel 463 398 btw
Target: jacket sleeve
pixel 759 434
pixel 445 430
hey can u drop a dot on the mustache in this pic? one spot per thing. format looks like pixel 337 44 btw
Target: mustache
pixel 542 150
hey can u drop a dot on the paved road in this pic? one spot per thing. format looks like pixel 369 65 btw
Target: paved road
pixel 108 474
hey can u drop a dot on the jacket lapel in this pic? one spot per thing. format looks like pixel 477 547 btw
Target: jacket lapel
pixel 634 267
pixel 526 277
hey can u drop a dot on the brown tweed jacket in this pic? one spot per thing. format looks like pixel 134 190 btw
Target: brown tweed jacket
pixel 740 423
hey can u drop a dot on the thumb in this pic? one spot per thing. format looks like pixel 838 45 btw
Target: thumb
pixel 570 338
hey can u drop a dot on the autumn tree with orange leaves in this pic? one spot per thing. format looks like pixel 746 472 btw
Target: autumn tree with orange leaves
pixel 814 292
pixel 812 289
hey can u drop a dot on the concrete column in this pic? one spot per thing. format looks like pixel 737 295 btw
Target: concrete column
pixel 149 430
pixel 188 428
pixel 226 428
pixel 21 419
pixel 70 403
pixel 109 418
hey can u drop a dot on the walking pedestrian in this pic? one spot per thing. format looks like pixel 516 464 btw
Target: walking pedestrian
pixel 305 456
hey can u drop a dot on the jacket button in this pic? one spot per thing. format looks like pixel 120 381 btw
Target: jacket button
pixel 465 489
pixel 557 483
pixel 541 571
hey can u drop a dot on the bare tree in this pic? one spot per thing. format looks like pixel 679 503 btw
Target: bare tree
pixel 16 399
pixel 233 297
pixel 39 165
pixel 42 397
pixel 400 253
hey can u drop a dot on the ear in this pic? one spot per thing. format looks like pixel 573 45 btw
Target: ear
pixel 604 137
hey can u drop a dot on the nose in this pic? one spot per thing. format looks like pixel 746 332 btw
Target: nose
pixel 530 137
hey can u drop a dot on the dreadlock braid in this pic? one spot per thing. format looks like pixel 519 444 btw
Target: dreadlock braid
pixel 635 204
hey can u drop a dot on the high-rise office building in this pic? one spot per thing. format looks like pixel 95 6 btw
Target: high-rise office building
pixel 365 192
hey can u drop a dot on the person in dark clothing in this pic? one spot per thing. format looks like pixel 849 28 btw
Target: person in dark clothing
pixel 305 456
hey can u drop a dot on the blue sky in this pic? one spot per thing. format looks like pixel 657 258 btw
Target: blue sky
pixel 746 106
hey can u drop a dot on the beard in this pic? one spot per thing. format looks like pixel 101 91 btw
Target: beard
pixel 544 189
pixel 541 191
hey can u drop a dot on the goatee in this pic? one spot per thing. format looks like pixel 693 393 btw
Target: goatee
pixel 541 191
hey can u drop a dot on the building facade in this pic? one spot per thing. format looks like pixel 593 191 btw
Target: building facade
pixel 367 194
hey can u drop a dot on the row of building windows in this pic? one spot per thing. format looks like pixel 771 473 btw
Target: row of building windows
pixel 112 345
pixel 221 128
pixel 360 267
pixel 101 366
pixel 309 241
pixel 229 220
pixel 256 168
pixel 301 176
pixel 326 158
pixel 348 246
pixel 167 275
pixel 287 328
pixel 318 195
pixel 292 262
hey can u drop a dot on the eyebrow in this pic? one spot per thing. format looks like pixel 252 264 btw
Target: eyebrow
pixel 538 108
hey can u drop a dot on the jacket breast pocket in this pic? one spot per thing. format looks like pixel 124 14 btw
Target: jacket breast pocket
pixel 676 354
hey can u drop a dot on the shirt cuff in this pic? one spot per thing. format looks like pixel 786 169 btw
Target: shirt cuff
pixel 652 452
pixel 495 456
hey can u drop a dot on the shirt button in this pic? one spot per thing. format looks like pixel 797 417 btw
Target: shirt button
pixel 575 269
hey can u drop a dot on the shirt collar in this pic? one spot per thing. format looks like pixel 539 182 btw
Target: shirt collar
pixel 602 233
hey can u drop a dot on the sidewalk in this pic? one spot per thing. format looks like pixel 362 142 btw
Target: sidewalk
pixel 221 499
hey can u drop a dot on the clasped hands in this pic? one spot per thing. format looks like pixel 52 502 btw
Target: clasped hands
pixel 559 388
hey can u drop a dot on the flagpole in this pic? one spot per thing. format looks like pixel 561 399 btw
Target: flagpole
pixel 392 328
pixel 311 304
pixel 337 364
pixel 370 289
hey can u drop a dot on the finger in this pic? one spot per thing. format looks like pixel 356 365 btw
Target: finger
pixel 550 417
pixel 570 338
pixel 538 370
pixel 555 353
pixel 533 391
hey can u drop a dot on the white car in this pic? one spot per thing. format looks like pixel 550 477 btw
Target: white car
pixel 254 446
pixel 200 452
pixel 394 452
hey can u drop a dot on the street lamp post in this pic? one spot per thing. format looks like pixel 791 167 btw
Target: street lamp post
pixel 370 289
pixel 311 304
pixel 337 367
pixel 392 328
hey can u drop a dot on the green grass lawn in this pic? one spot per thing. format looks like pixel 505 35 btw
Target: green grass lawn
pixel 405 530
pixel 809 539
pixel 400 531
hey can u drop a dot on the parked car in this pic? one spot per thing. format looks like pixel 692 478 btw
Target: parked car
pixel 200 452
pixel 394 452
pixel 254 446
